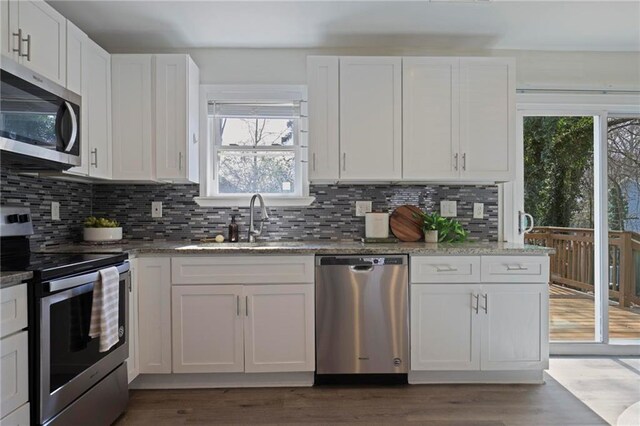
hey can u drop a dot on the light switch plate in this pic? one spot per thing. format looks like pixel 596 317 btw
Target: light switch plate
pixel 55 210
pixel 448 208
pixel 363 207
pixel 156 209
pixel 478 210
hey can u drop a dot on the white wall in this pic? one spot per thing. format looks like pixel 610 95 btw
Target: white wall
pixel 535 69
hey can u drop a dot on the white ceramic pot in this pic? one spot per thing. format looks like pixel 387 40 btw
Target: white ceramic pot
pixel 102 234
pixel 431 236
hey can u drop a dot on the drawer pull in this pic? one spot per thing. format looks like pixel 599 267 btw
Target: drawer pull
pixel 517 268
pixel 445 268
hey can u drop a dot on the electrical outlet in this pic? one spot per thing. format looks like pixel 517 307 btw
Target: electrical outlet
pixel 448 208
pixel 55 210
pixel 363 207
pixel 156 209
pixel 478 210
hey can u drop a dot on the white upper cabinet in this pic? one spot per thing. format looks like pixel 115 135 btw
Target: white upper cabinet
pixel 75 40
pixel 176 125
pixel 430 105
pixel 155 118
pixel 34 34
pixel 370 118
pixel 132 121
pixel 324 137
pixel 487 118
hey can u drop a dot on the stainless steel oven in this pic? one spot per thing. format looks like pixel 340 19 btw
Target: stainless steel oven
pixel 70 364
pixel 39 120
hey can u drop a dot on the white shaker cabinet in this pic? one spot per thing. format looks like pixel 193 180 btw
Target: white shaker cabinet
pixel 370 118
pixel 177 80
pixel 430 107
pixel 154 314
pixel 487 119
pixel 75 40
pixel 132 117
pixel 208 323
pixel 323 111
pixel 133 365
pixel 34 34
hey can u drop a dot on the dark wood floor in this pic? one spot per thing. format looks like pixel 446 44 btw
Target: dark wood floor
pixel 438 405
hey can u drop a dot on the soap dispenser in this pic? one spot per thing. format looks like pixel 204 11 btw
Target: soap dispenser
pixel 233 230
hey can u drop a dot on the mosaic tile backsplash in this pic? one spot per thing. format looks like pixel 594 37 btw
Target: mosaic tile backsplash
pixel 330 217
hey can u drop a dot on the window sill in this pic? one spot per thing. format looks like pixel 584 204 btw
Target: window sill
pixel 243 201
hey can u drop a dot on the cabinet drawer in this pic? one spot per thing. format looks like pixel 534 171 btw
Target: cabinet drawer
pixel 13 309
pixel 14 380
pixel 445 269
pixel 19 417
pixel 523 269
pixel 242 270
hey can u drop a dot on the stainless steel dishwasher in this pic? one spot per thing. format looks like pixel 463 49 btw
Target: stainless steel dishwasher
pixel 362 323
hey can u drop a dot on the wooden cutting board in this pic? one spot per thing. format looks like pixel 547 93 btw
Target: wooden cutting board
pixel 405 225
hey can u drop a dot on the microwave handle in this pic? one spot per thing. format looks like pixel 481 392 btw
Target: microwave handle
pixel 78 280
pixel 74 127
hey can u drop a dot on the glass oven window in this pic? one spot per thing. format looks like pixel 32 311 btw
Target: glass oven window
pixel 72 350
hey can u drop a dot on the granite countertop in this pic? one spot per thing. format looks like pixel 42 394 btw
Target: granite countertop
pixel 9 278
pixel 173 248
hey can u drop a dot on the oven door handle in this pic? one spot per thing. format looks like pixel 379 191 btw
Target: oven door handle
pixel 75 281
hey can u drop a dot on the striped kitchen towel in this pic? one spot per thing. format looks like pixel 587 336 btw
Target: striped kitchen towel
pixel 104 308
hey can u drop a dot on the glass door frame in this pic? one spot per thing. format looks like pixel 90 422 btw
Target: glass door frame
pixel 599 106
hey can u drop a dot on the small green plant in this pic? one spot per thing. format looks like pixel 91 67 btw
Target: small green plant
pixel 100 222
pixel 449 230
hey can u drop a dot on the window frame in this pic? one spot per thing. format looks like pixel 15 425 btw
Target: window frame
pixel 209 195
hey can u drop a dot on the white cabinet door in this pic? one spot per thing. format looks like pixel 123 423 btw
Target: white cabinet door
pixel 96 111
pixel 445 334
pixel 132 120
pixel 75 40
pixel 514 326
pixel 154 314
pixel 279 328
pixel 370 118
pixel 13 309
pixel 207 329
pixel 8 29
pixel 20 417
pixel 430 108
pixel 192 152
pixel 176 121
pixel 487 118
pixel 44 38
pixel 14 380
pixel 133 362
pixel 323 112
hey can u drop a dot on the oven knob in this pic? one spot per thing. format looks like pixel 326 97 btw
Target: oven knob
pixel 12 218
pixel 23 218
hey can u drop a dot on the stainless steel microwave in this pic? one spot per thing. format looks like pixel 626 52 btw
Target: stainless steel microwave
pixel 39 120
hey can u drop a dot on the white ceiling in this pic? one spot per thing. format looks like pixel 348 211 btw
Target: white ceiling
pixel 527 25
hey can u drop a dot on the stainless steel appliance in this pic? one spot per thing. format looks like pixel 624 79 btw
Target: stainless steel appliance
pixel 39 120
pixel 362 323
pixel 71 381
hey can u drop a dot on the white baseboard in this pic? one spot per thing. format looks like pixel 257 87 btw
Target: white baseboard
pixel 506 377
pixel 221 380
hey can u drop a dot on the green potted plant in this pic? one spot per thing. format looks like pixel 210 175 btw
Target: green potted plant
pixel 101 229
pixel 442 229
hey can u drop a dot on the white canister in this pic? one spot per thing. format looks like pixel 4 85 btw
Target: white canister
pixel 102 234
pixel 376 225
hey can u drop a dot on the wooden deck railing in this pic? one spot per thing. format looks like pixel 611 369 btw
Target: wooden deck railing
pixel 573 263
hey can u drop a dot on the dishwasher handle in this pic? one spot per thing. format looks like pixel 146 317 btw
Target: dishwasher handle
pixel 361 268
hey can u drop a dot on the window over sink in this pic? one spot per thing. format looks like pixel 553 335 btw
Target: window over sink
pixel 256 144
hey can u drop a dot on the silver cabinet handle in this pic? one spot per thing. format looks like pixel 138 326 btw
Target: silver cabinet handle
pixel 445 268
pixel 456 159
pixel 464 161
pixel 344 161
pixel 180 161
pixel 246 305
pixel 486 303
pixel 237 306
pixel 94 152
pixel 517 268
pixel 314 161
pixel 28 40
pixel 477 305
pixel 19 35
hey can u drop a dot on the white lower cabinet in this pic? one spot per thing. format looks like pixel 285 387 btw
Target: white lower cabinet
pixel 19 417
pixel 14 380
pixel 133 366
pixel 235 328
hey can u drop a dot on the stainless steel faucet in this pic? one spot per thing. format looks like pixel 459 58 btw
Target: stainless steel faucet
pixel 253 233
